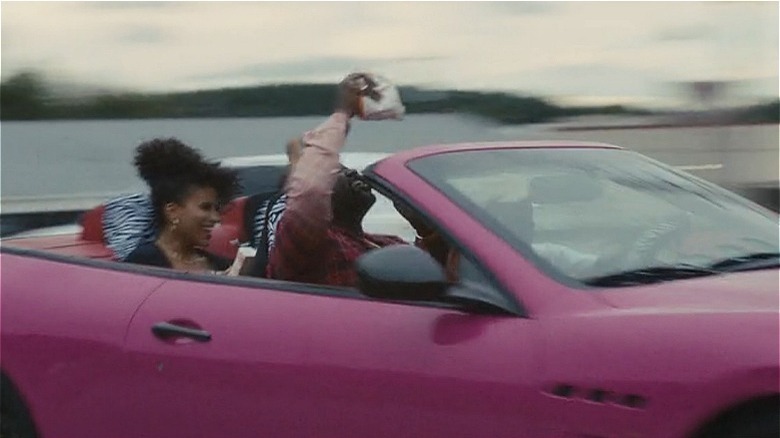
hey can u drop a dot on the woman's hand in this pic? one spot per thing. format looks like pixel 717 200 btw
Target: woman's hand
pixel 243 255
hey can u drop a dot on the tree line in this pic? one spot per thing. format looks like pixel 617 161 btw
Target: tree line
pixel 25 96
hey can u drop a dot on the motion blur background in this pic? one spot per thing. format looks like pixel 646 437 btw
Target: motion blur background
pixel 694 84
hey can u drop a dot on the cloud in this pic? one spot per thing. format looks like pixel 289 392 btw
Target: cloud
pixel 560 47
pixel 144 35
pixel 103 5
pixel 523 7
pixel 684 33
pixel 308 68
pixel 585 79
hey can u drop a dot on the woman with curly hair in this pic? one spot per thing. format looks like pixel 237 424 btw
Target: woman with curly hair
pixel 187 194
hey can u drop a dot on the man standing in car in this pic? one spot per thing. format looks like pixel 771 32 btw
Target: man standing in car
pixel 321 235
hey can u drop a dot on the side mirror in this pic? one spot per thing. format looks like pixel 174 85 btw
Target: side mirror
pixel 400 272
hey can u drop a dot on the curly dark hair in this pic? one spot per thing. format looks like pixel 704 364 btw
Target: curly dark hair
pixel 172 169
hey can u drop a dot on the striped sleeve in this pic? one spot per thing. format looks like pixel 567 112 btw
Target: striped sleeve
pixel 128 221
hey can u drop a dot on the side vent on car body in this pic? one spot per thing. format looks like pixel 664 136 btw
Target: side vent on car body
pixel 565 391
pixel 597 395
pixel 632 401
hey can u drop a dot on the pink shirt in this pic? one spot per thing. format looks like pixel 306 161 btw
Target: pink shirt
pixel 308 247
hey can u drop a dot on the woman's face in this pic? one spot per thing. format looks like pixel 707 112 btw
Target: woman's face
pixel 197 215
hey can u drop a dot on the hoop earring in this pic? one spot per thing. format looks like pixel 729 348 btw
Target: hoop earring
pixel 174 223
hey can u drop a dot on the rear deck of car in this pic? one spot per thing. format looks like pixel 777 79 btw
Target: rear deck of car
pixel 67 244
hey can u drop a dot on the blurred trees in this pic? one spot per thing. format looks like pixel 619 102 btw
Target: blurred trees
pixel 766 113
pixel 26 96
pixel 23 96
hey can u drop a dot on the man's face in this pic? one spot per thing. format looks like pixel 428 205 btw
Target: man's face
pixel 352 197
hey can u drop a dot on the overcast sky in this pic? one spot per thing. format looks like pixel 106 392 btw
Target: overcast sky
pixel 596 51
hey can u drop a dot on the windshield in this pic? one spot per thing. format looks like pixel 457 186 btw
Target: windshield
pixel 589 213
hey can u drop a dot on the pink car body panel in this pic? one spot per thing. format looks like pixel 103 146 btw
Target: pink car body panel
pixel 689 310
pixel 300 360
pixel 67 324
pixel 351 367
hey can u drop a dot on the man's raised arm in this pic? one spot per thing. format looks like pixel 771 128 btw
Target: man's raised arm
pixel 304 226
pixel 310 185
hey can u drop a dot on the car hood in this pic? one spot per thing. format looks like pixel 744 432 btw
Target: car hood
pixel 753 291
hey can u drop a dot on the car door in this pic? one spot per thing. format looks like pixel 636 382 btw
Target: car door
pixel 63 331
pixel 286 359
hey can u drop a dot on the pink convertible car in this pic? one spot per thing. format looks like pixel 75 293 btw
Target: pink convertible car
pixel 599 294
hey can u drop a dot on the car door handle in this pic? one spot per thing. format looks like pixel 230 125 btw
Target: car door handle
pixel 165 330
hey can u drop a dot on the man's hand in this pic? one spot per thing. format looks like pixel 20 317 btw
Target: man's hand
pixel 419 225
pixel 427 237
pixel 351 89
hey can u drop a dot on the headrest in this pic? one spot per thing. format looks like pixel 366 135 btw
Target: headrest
pixel 128 221
pixel 234 215
pixel 254 206
pixel 92 224
pixel 231 231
